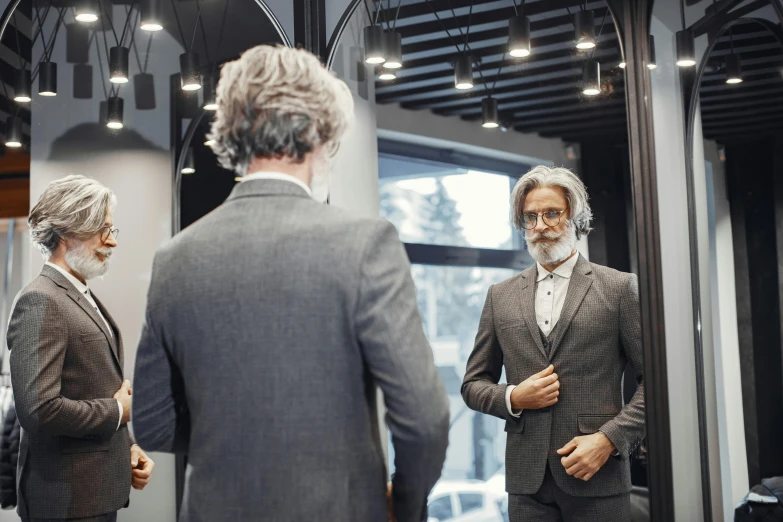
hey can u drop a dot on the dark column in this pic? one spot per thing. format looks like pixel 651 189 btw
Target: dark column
pixel 310 26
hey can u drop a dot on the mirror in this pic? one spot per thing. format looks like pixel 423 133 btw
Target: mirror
pixel 446 127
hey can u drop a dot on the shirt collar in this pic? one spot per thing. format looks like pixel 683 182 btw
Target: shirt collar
pixel 81 287
pixel 276 176
pixel 565 270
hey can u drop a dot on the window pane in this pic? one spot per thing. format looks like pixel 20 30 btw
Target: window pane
pixel 447 206
pixel 440 508
pixel 471 502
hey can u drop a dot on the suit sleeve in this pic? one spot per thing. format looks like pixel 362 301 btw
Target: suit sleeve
pixel 480 388
pixel 161 419
pixel 628 429
pixel 38 348
pixel 399 358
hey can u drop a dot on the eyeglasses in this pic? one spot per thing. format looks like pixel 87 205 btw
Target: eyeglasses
pixel 106 231
pixel 550 219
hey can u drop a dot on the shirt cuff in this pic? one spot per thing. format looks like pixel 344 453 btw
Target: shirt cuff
pixel 509 389
pixel 122 412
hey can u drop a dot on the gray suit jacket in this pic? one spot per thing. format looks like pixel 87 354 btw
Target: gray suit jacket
pixel 268 323
pixel 65 369
pixel 597 334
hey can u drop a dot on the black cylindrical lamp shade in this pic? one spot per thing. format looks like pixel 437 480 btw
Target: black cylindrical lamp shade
pixel 47 79
pixel 652 64
pixel 22 86
pixel 118 64
pixel 188 68
pixel 733 69
pixel 189 165
pixel 150 15
pixel 519 36
pixel 373 45
pixel 208 90
pixel 591 78
pixel 13 132
pixel 115 112
pixel 463 72
pixel 489 113
pixel 584 22
pixel 392 46
pixel 86 11
pixel 686 49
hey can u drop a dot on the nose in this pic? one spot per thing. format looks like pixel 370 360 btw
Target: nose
pixel 540 225
pixel 111 241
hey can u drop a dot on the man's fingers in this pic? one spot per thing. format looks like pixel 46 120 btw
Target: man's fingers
pixel 141 474
pixel 568 448
pixel 548 380
pixel 587 476
pixel 546 371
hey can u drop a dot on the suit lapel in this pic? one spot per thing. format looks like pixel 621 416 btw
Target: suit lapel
pixel 581 281
pixel 528 306
pixel 116 339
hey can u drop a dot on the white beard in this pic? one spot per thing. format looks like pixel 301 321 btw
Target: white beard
pixel 319 185
pixel 85 263
pixel 552 252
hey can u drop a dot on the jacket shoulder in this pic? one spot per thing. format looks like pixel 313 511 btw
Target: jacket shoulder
pixel 611 276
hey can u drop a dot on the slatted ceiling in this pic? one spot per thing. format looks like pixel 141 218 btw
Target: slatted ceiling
pixel 540 93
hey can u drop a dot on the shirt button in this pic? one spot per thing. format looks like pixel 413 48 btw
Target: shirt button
pixel 551 277
pixel 549 293
pixel 546 322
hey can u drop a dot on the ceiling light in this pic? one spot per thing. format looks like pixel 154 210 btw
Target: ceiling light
pixel 47 79
pixel 519 36
pixel 189 166
pixel 652 63
pixel 584 22
pixel 13 132
pixel 733 69
pixel 373 45
pixel 489 113
pixel 86 11
pixel 591 78
pixel 188 69
pixel 622 65
pixel 22 86
pixel 387 76
pixel 115 107
pixel 210 101
pixel 392 45
pixel 463 72
pixel 686 49
pixel 118 64
pixel 150 15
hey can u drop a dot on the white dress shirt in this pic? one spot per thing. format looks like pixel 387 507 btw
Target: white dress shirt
pixel 85 291
pixel 280 176
pixel 551 290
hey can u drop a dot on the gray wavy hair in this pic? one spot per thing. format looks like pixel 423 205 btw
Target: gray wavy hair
pixel 74 206
pixel 277 102
pixel 581 215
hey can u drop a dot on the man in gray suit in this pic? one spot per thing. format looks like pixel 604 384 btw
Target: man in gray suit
pixel 76 457
pixel 270 321
pixel 564 330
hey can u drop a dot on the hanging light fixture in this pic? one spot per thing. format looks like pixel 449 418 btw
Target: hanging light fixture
pixel 652 63
pixel 47 79
pixel 387 75
pixel 13 132
pixel 150 17
pixel 22 86
pixel 489 113
pixel 189 166
pixel 463 72
pixel 210 101
pixel 622 65
pixel 118 64
pixel 519 36
pixel 115 109
pixel 686 49
pixel 733 69
pixel 373 45
pixel 86 11
pixel 584 22
pixel 591 78
pixel 188 67
pixel 392 44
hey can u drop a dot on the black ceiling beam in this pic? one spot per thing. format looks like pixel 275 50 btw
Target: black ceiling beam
pixel 755 101
pixel 762 109
pixel 423 8
pixel 772 116
pixel 740 87
pixel 747 49
pixel 609 122
pixel 549 108
pixel 25 48
pixel 9 106
pixel 723 132
pixel 723 15
pixel 619 134
pixel 576 117
pixel 756 73
pixel 757 93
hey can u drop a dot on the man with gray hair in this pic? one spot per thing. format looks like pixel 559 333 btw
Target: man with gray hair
pixel 270 321
pixel 564 330
pixel 76 457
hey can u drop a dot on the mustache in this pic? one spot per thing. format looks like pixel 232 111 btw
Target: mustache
pixel 546 235
pixel 105 252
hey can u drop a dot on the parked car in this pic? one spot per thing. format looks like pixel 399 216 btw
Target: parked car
pixel 465 501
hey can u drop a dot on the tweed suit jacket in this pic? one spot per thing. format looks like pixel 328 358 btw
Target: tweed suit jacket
pixel 597 334
pixel 268 323
pixel 65 369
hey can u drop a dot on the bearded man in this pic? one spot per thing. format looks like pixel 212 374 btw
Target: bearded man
pixel 77 460
pixel 563 330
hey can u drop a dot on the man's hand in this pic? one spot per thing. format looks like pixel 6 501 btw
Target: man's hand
pixel 586 455
pixel 124 396
pixel 536 392
pixel 142 467
pixel 390 502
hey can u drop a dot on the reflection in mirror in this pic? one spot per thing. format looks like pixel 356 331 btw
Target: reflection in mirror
pixel 480 95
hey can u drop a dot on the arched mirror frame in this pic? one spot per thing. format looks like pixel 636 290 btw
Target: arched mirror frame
pixel 691 99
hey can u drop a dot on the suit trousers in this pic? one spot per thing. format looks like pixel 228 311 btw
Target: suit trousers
pixel 108 517
pixel 552 504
